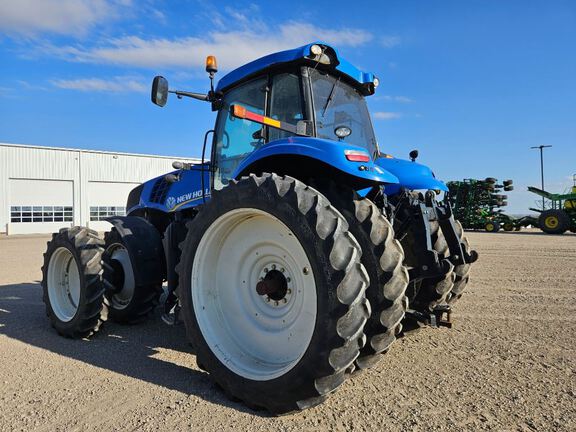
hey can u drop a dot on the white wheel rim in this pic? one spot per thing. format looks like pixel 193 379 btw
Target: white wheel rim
pixel 255 338
pixel 63 284
pixel 122 298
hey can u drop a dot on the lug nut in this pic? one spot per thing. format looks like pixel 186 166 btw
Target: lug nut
pixel 305 270
pixel 288 279
pixel 276 303
pixel 288 291
pixel 265 269
pixel 273 266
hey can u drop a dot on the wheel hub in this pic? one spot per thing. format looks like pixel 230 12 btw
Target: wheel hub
pixel 552 222
pixel 122 276
pixel 274 285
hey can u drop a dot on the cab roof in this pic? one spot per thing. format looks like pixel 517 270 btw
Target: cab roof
pixel 298 55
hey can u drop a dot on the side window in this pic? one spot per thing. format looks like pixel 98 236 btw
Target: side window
pixel 236 138
pixel 285 103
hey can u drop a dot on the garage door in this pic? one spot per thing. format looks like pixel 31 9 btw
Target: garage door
pixel 107 199
pixel 40 206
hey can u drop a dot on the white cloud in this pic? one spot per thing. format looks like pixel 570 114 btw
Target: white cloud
pixel 29 17
pixel 400 99
pixel 232 48
pixel 115 85
pixel 386 115
pixel 390 41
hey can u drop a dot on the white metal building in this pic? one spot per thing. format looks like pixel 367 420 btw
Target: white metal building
pixel 43 189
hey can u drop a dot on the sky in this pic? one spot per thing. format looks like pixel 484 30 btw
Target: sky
pixel 471 84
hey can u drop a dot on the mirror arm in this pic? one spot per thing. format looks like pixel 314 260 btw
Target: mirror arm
pixel 181 94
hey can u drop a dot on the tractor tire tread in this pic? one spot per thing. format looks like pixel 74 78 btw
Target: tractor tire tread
pixel 343 326
pixel 87 249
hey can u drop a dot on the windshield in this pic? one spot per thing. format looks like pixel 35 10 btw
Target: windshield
pixel 336 105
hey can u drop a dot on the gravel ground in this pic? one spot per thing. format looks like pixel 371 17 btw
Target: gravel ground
pixel 509 363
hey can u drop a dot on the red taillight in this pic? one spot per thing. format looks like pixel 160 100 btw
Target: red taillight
pixel 357 156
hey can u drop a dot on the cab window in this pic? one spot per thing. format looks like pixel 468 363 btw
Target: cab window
pixel 236 138
pixel 285 103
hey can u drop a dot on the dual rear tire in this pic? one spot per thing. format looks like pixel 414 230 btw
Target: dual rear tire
pixel 86 280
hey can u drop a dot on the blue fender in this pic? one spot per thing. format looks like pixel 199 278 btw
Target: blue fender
pixel 329 152
pixel 411 175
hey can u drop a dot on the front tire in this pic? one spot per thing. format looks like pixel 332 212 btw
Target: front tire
pixel 71 282
pixel 129 302
pixel 287 349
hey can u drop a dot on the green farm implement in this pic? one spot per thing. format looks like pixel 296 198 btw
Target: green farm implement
pixel 478 205
pixel 561 216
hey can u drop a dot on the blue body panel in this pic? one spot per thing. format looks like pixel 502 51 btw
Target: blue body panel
pixel 393 173
pixel 288 56
pixel 186 193
pixel 411 175
pixel 329 152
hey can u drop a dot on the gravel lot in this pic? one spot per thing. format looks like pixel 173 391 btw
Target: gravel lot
pixel 508 364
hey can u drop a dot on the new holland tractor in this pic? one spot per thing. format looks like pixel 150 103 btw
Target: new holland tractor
pixel 292 253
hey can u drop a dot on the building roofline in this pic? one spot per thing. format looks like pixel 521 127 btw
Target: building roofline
pixel 36 146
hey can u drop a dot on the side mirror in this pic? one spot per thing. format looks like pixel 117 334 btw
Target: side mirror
pixel 159 91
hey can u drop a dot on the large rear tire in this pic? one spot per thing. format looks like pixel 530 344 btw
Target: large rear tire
pixel 272 293
pixel 71 282
pixel 128 301
pixel 382 256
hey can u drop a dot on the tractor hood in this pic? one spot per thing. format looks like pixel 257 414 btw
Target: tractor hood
pixel 412 175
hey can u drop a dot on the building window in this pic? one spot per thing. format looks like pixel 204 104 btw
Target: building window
pixel 41 214
pixel 101 213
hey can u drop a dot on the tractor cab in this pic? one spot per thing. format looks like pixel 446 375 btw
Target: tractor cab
pixel 300 101
pixel 308 92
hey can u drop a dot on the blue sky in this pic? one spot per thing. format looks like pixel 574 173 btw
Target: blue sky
pixel 471 84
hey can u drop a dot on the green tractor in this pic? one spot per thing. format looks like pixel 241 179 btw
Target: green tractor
pixel 561 216
pixel 477 204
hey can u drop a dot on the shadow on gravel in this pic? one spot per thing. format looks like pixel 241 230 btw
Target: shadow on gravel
pixel 127 350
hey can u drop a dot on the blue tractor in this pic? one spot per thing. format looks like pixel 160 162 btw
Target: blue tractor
pixel 292 253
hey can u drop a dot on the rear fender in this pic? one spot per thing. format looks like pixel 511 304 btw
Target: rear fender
pixel 305 156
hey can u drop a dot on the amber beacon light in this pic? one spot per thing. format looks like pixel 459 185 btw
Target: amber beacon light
pixel 211 64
